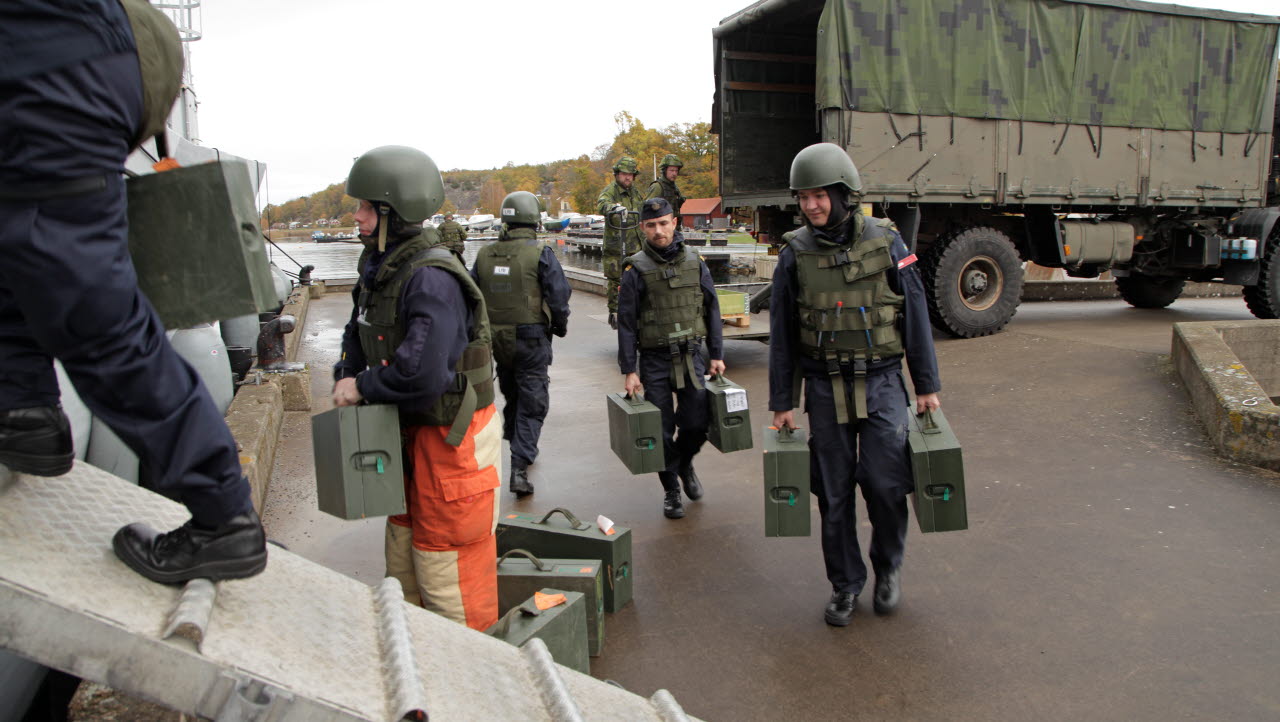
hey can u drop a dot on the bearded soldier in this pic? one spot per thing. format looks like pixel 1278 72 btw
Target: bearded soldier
pixel 419 338
pixel 617 203
pixel 847 305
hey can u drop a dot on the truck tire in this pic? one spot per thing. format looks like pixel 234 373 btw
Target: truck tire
pixel 1149 291
pixel 1263 299
pixel 973 282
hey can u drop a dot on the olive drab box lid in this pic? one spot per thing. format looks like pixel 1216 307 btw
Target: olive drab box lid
pixel 786 482
pixel 560 534
pixel 635 433
pixel 730 428
pixel 521 573
pixel 556 616
pixel 196 244
pixel 939 498
pixel 359 472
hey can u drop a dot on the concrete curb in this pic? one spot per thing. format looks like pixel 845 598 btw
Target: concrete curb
pixel 1235 409
pixel 257 412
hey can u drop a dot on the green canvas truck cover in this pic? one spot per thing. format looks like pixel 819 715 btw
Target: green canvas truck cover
pixel 1115 63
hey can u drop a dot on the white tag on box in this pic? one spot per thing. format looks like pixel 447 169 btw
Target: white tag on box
pixel 735 400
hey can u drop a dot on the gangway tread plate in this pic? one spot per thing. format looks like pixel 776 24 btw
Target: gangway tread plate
pixel 305 631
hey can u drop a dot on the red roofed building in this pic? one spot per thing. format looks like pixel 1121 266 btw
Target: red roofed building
pixel 703 213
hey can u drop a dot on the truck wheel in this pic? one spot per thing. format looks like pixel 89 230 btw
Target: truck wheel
pixel 1264 299
pixel 973 282
pixel 1149 291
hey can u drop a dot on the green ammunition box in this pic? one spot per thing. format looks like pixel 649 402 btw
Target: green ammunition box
pixel 635 433
pixel 359 472
pixel 939 499
pixel 569 538
pixel 731 302
pixel 520 574
pixel 563 628
pixel 196 245
pixel 786 482
pixel 730 428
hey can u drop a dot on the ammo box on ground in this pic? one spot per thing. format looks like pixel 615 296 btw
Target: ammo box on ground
pixel 939 499
pixel 730 420
pixel 196 245
pixel 635 433
pixel 563 628
pixel 786 482
pixel 358 464
pixel 569 538
pixel 521 573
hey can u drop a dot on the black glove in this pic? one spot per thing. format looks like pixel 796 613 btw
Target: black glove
pixel 560 331
pixel 613 321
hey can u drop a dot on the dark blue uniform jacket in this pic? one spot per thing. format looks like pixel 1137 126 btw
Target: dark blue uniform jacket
pixel 37 36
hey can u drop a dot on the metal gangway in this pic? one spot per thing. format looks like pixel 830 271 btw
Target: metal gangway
pixel 297 643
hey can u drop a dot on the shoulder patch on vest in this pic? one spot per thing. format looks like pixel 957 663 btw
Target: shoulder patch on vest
pixel 906 261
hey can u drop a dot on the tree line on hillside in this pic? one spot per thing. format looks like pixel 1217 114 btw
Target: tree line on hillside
pixel 564 184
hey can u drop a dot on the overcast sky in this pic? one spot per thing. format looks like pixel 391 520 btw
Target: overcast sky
pixel 306 85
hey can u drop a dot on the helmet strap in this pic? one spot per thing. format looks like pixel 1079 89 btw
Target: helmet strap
pixel 384 219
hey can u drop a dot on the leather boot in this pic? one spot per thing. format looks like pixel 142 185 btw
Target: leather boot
pixel 692 487
pixel 235 549
pixel 888 591
pixel 672 507
pixel 36 441
pixel 839 610
pixel 519 483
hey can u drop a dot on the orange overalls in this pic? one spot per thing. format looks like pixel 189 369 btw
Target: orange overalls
pixel 444 551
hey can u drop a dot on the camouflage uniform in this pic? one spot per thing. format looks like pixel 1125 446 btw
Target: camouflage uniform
pixel 663 188
pixel 618 244
pixel 453 235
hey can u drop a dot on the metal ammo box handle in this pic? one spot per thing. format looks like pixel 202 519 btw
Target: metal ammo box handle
pixel 367 460
pixel 930 425
pixel 786 434
pixel 634 399
pixel 719 380
pixel 541 565
pixel 573 520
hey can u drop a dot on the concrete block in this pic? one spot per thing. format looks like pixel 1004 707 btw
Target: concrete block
pixel 295 389
pixel 254 418
pixel 317 289
pixel 1239 417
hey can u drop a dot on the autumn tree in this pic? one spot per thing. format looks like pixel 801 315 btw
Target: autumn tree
pixel 491 195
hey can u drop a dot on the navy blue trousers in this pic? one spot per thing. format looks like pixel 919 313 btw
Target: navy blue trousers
pixel 526 386
pixel 872 454
pixel 68 288
pixel 684 411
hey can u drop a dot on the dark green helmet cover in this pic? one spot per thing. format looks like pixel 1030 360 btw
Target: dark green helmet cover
pixel 521 207
pixel 669 160
pixel 403 177
pixel 824 164
pixel 625 164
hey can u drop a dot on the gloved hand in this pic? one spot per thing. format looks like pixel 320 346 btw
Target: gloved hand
pixel 613 321
pixel 618 208
pixel 560 331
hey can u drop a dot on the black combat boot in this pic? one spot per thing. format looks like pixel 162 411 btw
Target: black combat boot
pixel 519 483
pixel 235 549
pixel 888 591
pixel 36 441
pixel 692 487
pixel 840 609
pixel 672 507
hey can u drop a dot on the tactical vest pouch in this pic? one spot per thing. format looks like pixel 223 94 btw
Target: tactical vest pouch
pixel 730 428
pixel 520 574
pixel 563 628
pixel 786 482
pixel 359 470
pixel 936 464
pixel 565 537
pixel 196 244
pixel 635 433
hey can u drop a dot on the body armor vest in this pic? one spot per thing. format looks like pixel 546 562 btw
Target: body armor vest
pixel 671 192
pixel 382 331
pixel 508 272
pixel 671 317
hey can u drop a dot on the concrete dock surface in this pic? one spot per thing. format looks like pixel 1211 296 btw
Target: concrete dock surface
pixel 1115 567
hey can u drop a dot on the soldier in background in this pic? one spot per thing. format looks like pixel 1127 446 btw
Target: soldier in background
pixel 667 307
pixel 664 186
pixel 527 297
pixel 81 86
pixel 453 235
pixel 616 200
pixel 418 337
pixel 847 304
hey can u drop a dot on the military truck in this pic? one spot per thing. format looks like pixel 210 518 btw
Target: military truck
pixel 1088 135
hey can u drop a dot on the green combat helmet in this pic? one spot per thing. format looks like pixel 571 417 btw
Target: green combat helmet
pixel 625 164
pixel 669 160
pixel 402 177
pixel 521 207
pixel 824 164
